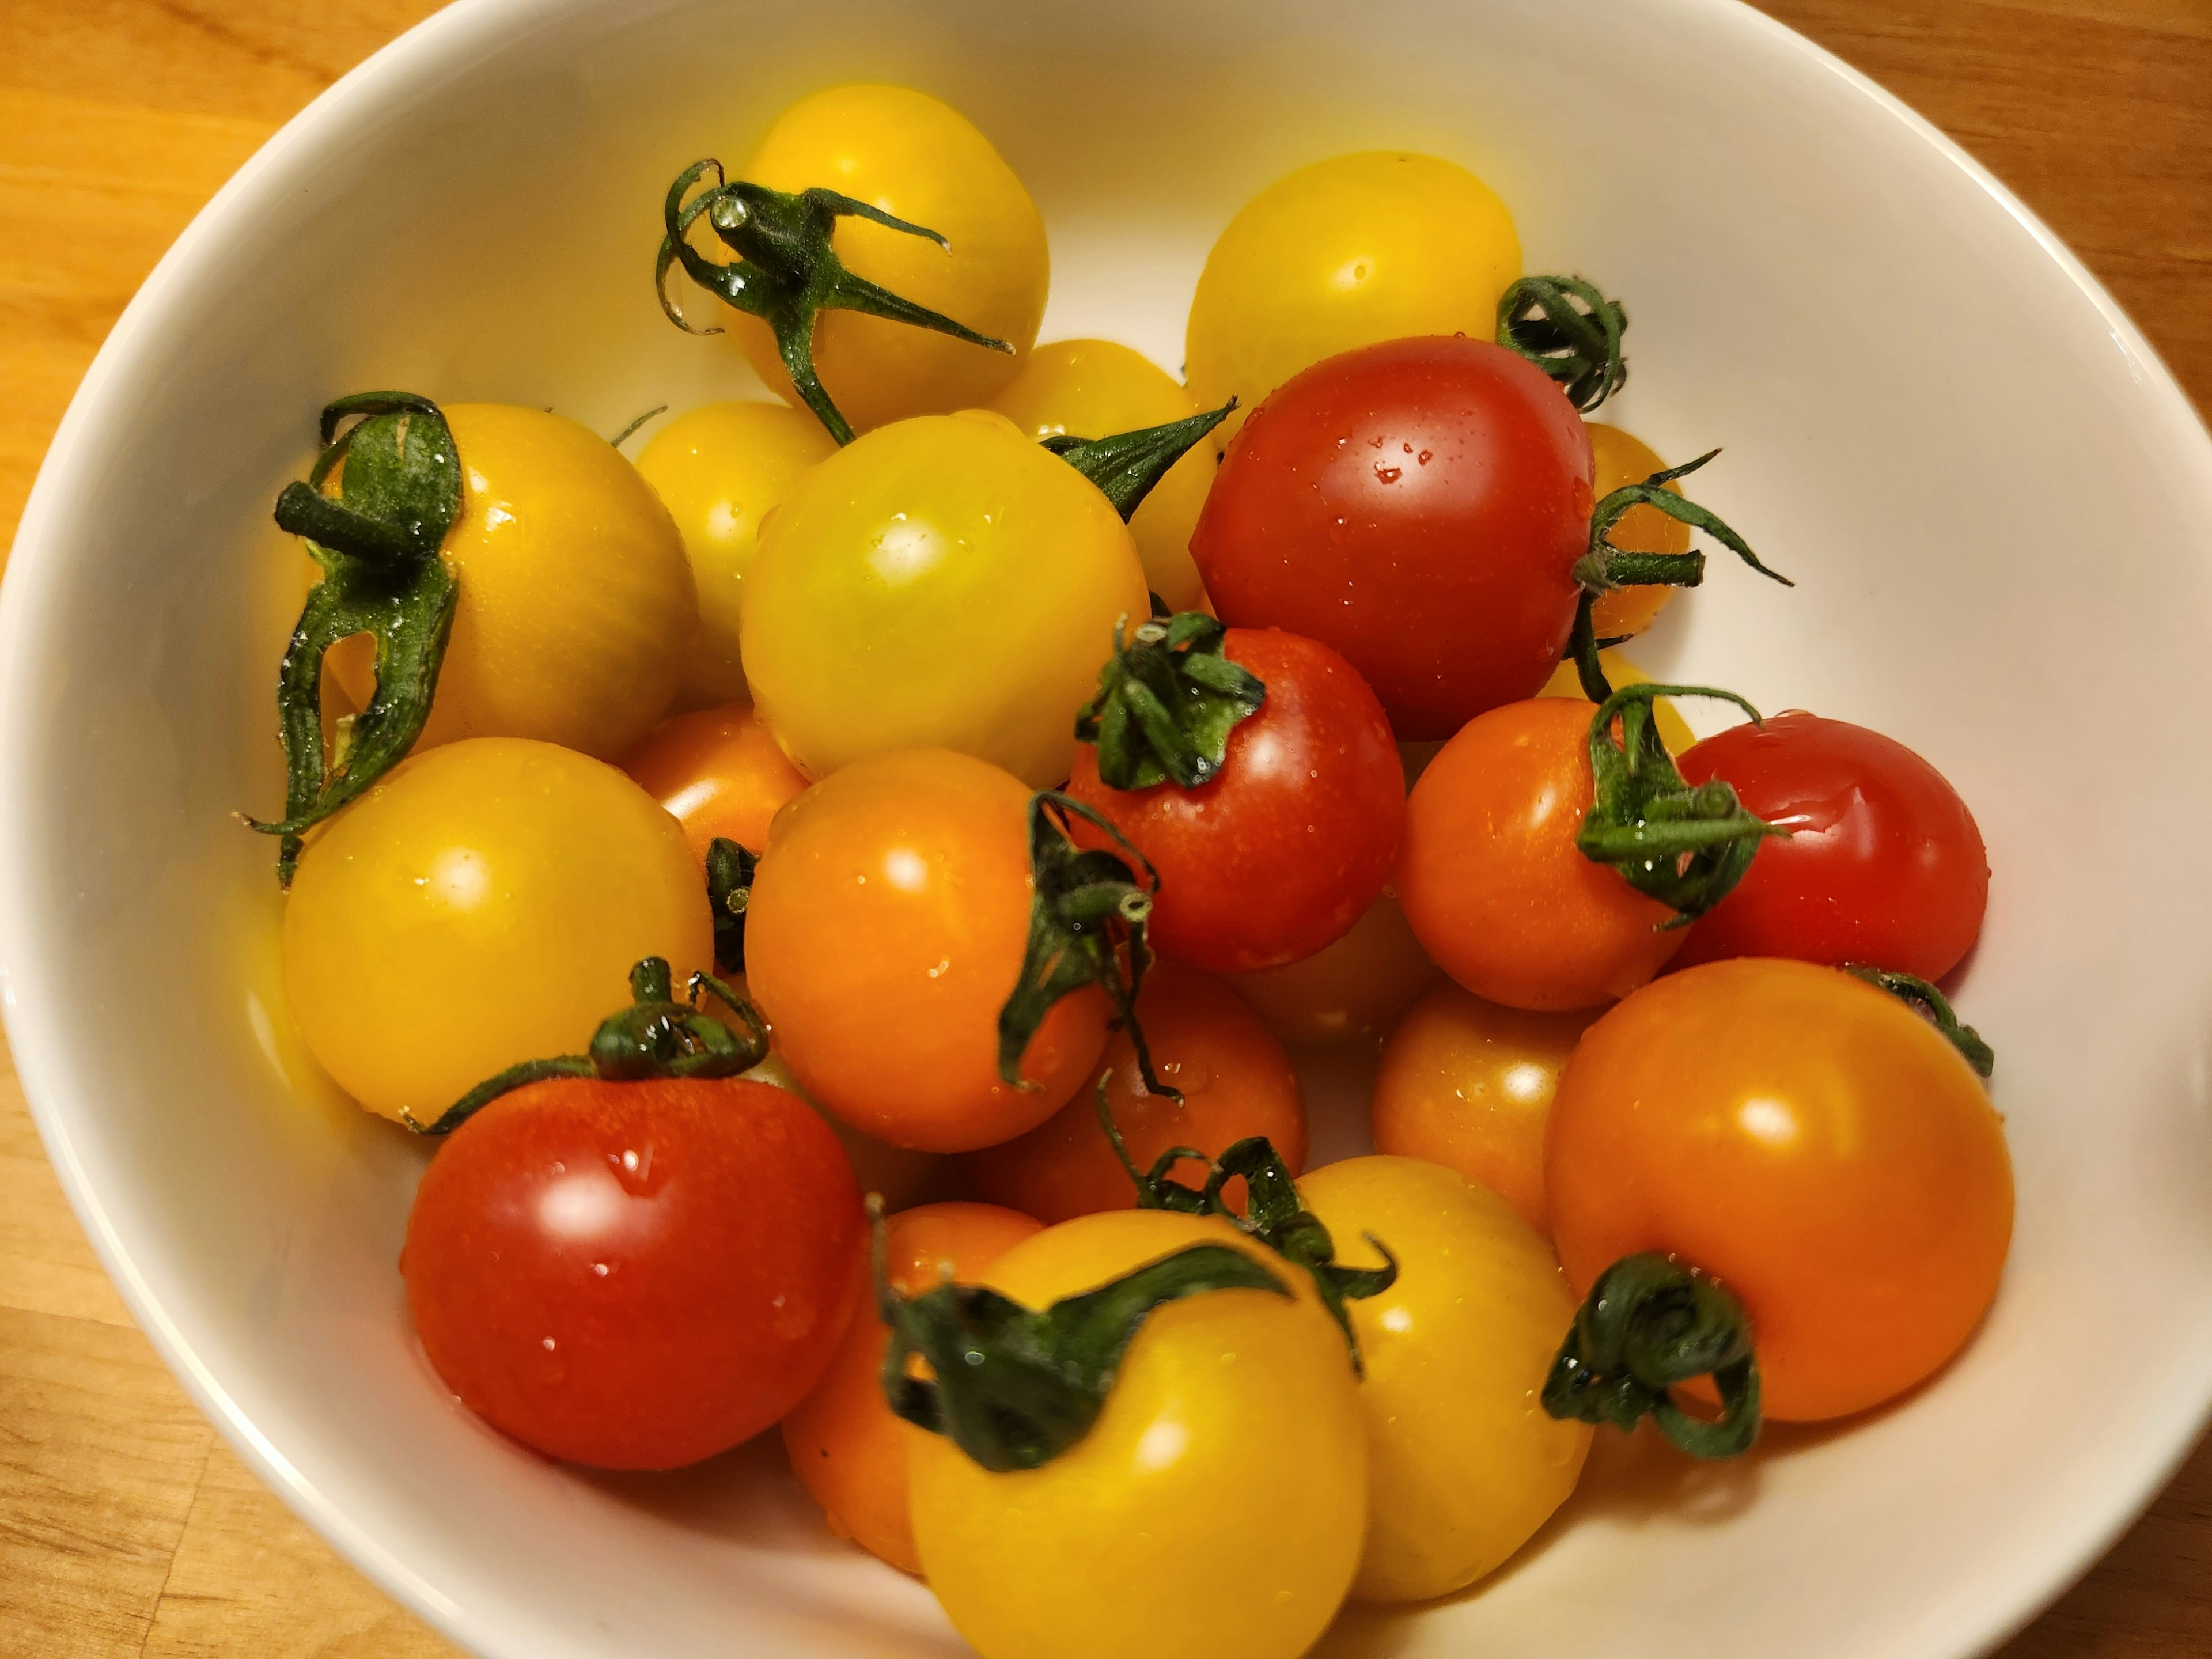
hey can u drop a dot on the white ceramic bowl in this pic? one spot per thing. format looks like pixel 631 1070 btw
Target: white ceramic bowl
pixel 1993 497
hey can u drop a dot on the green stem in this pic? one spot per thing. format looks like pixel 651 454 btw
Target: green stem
pixel 1917 993
pixel 1564 326
pixel 1127 466
pixel 1168 699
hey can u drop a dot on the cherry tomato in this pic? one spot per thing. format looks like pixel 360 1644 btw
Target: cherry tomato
pixel 481 906
pixel 1492 882
pixel 900 1176
pixel 923 162
pixel 844 1444
pixel 573 584
pixel 1884 864
pixel 1418 506
pixel 1621 460
pixel 1354 987
pixel 1469 1085
pixel 886 928
pixel 1291 842
pixel 721 469
pixel 1809 1140
pixel 1217 1504
pixel 944 582
pixel 1234 1078
pixel 1094 389
pixel 720 772
pixel 1565 682
pixel 1463 1468
pixel 635 1275
pixel 1346 252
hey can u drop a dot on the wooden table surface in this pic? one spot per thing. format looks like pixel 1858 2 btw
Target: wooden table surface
pixel 127 1526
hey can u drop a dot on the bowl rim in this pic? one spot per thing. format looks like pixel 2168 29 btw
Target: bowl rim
pixel 462 32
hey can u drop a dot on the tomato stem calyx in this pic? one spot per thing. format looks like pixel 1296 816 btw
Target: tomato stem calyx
pixel 1127 465
pixel 1167 702
pixel 1572 332
pixel 729 892
pixel 1686 847
pixel 1917 993
pixel 1606 566
pixel 378 544
pixel 656 1036
pixel 1087 920
pixel 1014 1387
pixel 787 273
pixel 1649 1323
pixel 1274 1214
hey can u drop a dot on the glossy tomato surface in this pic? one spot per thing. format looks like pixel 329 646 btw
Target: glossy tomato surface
pixel 1418 506
pixel 719 773
pixel 1290 843
pixel 635 1275
pixel 1884 865
pixel 1809 1141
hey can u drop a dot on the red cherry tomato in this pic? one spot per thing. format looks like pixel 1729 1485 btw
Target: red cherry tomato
pixel 635 1275
pixel 1287 847
pixel 1884 865
pixel 1418 506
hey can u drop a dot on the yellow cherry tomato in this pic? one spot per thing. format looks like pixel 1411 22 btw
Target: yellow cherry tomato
pixel 1346 252
pixel 1464 1463
pixel 1353 988
pixel 1622 459
pixel 1215 1507
pixel 1674 731
pixel 942 582
pixel 719 471
pixel 481 906
pixel 921 160
pixel 1094 389
pixel 573 589
pixel 1469 1085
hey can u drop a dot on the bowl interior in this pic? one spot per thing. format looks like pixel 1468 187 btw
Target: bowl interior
pixel 1990 495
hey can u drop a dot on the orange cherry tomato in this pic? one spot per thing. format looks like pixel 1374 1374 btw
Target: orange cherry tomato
pixel 719 772
pixel 1492 882
pixel 1806 1140
pixel 1622 459
pixel 844 1444
pixel 1235 1081
pixel 1469 1085
pixel 1354 987
pixel 886 929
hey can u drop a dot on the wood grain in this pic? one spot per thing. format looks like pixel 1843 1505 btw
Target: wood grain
pixel 126 1526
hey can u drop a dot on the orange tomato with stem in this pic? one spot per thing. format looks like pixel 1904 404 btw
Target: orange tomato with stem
pixel 1234 1078
pixel 719 772
pixel 844 1444
pixel 1622 459
pixel 1810 1141
pixel 885 930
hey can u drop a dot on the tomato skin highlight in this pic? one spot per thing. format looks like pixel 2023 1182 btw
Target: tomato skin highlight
pixel 635 1275
pixel 885 930
pixel 719 772
pixel 1235 1081
pixel 1810 1141
pixel 844 1444
pixel 1884 865
pixel 1418 506
pixel 1492 882
pixel 1293 840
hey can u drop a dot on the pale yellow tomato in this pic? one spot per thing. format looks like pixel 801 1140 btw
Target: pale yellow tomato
pixel 1469 1085
pixel 1215 1508
pixel 720 470
pixel 481 906
pixel 922 161
pixel 575 597
pixel 1464 1464
pixel 942 582
pixel 1353 988
pixel 1674 731
pixel 1346 252
pixel 1622 459
pixel 1094 389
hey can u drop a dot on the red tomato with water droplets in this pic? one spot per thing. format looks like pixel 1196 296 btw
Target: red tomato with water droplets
pixel 635 1275
pixel 1418 506
pixel 1290 843
pixel 1884 865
